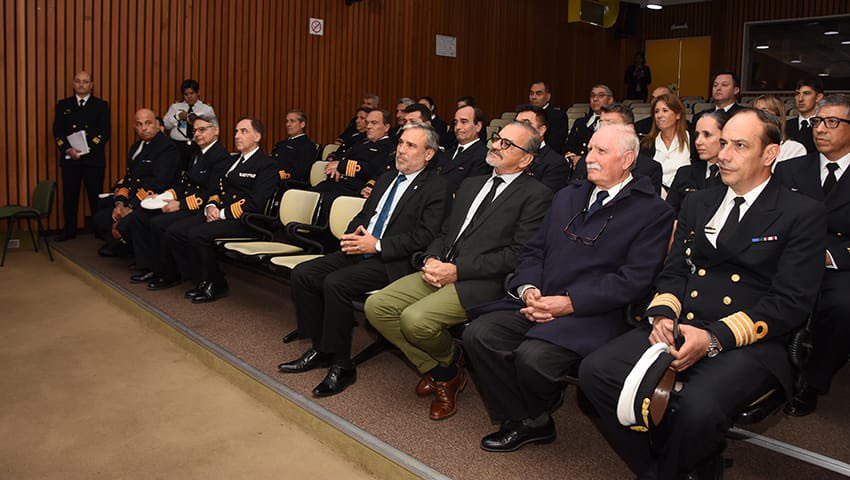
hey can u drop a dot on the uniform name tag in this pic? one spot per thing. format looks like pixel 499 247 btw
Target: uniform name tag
pixel 769 238
pixel 247 175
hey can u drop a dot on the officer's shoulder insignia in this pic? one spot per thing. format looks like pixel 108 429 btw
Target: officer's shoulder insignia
pixel 96 140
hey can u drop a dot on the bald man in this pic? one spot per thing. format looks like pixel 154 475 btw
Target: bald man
pixel 153 165
pixel 80 112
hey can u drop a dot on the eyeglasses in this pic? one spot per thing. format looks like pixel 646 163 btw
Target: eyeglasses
pixel 589 241
pixel 504 143
pixel 599 95
pixel 202 130
pixel 830 122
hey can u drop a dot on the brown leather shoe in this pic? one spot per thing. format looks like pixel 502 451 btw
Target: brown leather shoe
pixel 425 386
pixel 444 404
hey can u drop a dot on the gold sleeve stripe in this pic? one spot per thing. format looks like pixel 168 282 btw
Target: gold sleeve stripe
pixel 96 140
pixel 173 193
pixel 123 192
pixel 59 142
pixel 193 202
pixel 236 208
pixel 351 168
pixel 744 329
pixel 141 193
pixel 667 300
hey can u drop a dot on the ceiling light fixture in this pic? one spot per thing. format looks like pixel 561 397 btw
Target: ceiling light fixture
pixel 846 42
pixel 831 32
pixel 763 46
pixel 654 4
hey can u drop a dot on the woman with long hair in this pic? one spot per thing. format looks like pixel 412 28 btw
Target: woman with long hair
pixel 668 141
pixel 703 172
pixel 788 148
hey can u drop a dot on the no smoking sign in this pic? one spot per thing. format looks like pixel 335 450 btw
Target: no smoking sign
pixel 316 26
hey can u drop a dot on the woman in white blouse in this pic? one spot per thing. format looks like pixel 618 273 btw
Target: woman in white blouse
pixel 788 148
pixel 668 141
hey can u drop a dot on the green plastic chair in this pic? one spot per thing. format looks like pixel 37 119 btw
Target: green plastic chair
pixel 42 204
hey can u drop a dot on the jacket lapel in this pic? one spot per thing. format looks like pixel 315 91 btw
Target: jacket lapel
pixel 759 217
pixel 467 203
pixel 502 198
pixel 411 191
pixel 709 209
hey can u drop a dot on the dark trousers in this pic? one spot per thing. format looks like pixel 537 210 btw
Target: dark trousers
pixel 830 331
pixel 134 230
pixel 191 242
pixel 159 256
pixel 73 176
pixel 323 290
pixel 518 377
pixel 698 416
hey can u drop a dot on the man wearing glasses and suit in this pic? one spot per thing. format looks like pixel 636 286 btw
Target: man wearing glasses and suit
pixel 598 251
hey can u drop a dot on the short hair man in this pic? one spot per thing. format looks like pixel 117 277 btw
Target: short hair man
pixel 822 175
pixel 539 95
pixel 642 127
pixel 466 101
pixel 402 216
pixel 296 154
pixel 368 103
pixel 619 114
pixel 491 218
pixel 724 94
pixel 446 138
pixel 177 122
pixel 80 112
pixel 583 128
pixel 153 166
pixel 417 113
pixel 400 116
pixel 808 95
pixel 743 273
pixel 246 187
pixel 549 167
pixel 467 159
pixel 146 228
pixel 570 290
pixel 362 163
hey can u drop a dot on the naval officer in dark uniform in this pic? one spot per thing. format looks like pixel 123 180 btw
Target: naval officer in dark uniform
pixel 743 273
pixel 296 154
pixel 80 112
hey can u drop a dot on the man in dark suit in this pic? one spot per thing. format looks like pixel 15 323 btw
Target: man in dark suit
pixel 808 95
pixel 402 216
pixel 742 274
pixel 351 137
pixel 153 165
pixel 724 94
pixel 823 177
pixel 597 252
pixel 619 114
pixel 146 228
pixel 368 103
pixel 583 128
pixel 296 154
pixel 246 187
pixel 492 217
pixel 540 95
pixel 446 138
pixel 467 158
pixel 549 167
pixel 80 112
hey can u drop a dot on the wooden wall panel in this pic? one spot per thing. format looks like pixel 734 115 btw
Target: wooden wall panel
pixel 257 58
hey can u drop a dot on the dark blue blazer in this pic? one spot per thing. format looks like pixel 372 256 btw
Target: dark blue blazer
pixel 602 279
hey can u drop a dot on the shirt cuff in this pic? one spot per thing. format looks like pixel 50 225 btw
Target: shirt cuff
pixel 221 214
pixel 832 261
pixel 521 290
pixel 378 246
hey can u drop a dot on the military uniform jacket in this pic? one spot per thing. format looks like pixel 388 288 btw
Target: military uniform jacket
pixel 248 187
pixel 602 279
pixel 447 140
pixel 414 223
pixel 201 179
pixel 550 168
pixel 806 137
pixel 488 249
pixel 468 163
pixel 93 118
pixel 803 175
pixel 295 157
pixel 365 161
pixel 154 170
pixel 580 136
pixel 556 132
pixel 755 289
pixel 690 178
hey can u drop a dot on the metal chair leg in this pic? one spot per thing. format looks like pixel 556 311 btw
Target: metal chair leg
pixel 6 241
pixel 42 236
pixel 32 237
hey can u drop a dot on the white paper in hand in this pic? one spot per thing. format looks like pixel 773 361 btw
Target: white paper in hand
pixel 79 142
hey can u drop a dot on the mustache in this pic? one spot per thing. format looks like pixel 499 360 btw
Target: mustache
pixel 594 166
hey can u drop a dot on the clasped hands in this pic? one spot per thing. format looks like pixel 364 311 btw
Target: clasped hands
pixel 695 344
pixel 542 309
pixel 359 242
pixel 438 273
pixel 332 172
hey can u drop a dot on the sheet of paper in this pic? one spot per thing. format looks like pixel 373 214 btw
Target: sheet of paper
pixel 78 141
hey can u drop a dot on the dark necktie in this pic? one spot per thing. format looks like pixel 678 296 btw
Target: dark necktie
pixel 488 200
pixel 713 169
pixel 190 130
pixel 458 152
pixel 82 103
pixel 831 179
pixel 804 125
pixel 140 150
pixel 383 216
pixel 731 222
pixel 597 204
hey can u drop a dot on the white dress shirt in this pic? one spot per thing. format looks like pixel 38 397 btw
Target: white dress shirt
pixel 177 128
pixel 612 192
pixel 242 159
pixel 399 192
pixel 483 193
pixel 464 147
pixel 671 159
pixel 713 227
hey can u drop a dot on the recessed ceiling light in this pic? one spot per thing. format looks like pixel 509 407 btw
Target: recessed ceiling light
pixel 846 42
pixel 823 74
pixel 796 60
pixel 654 5
pixel 831 32
pixel 762 47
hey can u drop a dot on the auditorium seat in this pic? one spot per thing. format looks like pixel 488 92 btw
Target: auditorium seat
pixel 330 148
pixel 508 116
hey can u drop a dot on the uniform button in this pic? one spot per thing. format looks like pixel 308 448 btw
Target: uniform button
pixel 234 196
pixel 694 293
pixel 727 300
pixel 701 272
pixel 688 251
pixel 690 316
pixel 735 277
pixel 840 234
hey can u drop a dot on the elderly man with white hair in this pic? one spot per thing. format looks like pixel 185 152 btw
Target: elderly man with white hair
pixel 598 250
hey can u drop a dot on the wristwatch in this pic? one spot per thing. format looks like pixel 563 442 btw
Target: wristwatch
pixel 713 346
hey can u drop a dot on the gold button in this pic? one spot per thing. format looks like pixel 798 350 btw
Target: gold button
pixel 688 251
pixel 736 278
pixel 701 272
pixel 690 316
pixel 727 300
pixel 694 293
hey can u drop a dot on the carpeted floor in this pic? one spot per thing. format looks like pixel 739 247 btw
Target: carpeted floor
pixel 258 312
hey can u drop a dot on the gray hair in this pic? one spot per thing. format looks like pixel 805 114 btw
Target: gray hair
pixel 373 97
pixel 533 145
pixel 604 87
pixel 836 100
pixel 213 121
pixel 406 101
pixel 627 139
pixel 432 138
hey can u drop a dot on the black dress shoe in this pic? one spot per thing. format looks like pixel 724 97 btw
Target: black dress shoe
pixel 211 292
pixel 64 237
pixel 190 294
pixel 310 360
pixel 337 380
pixel 143 277
pixel 514 435
pixel 803 403
pixel 161 282
pixel 114 249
